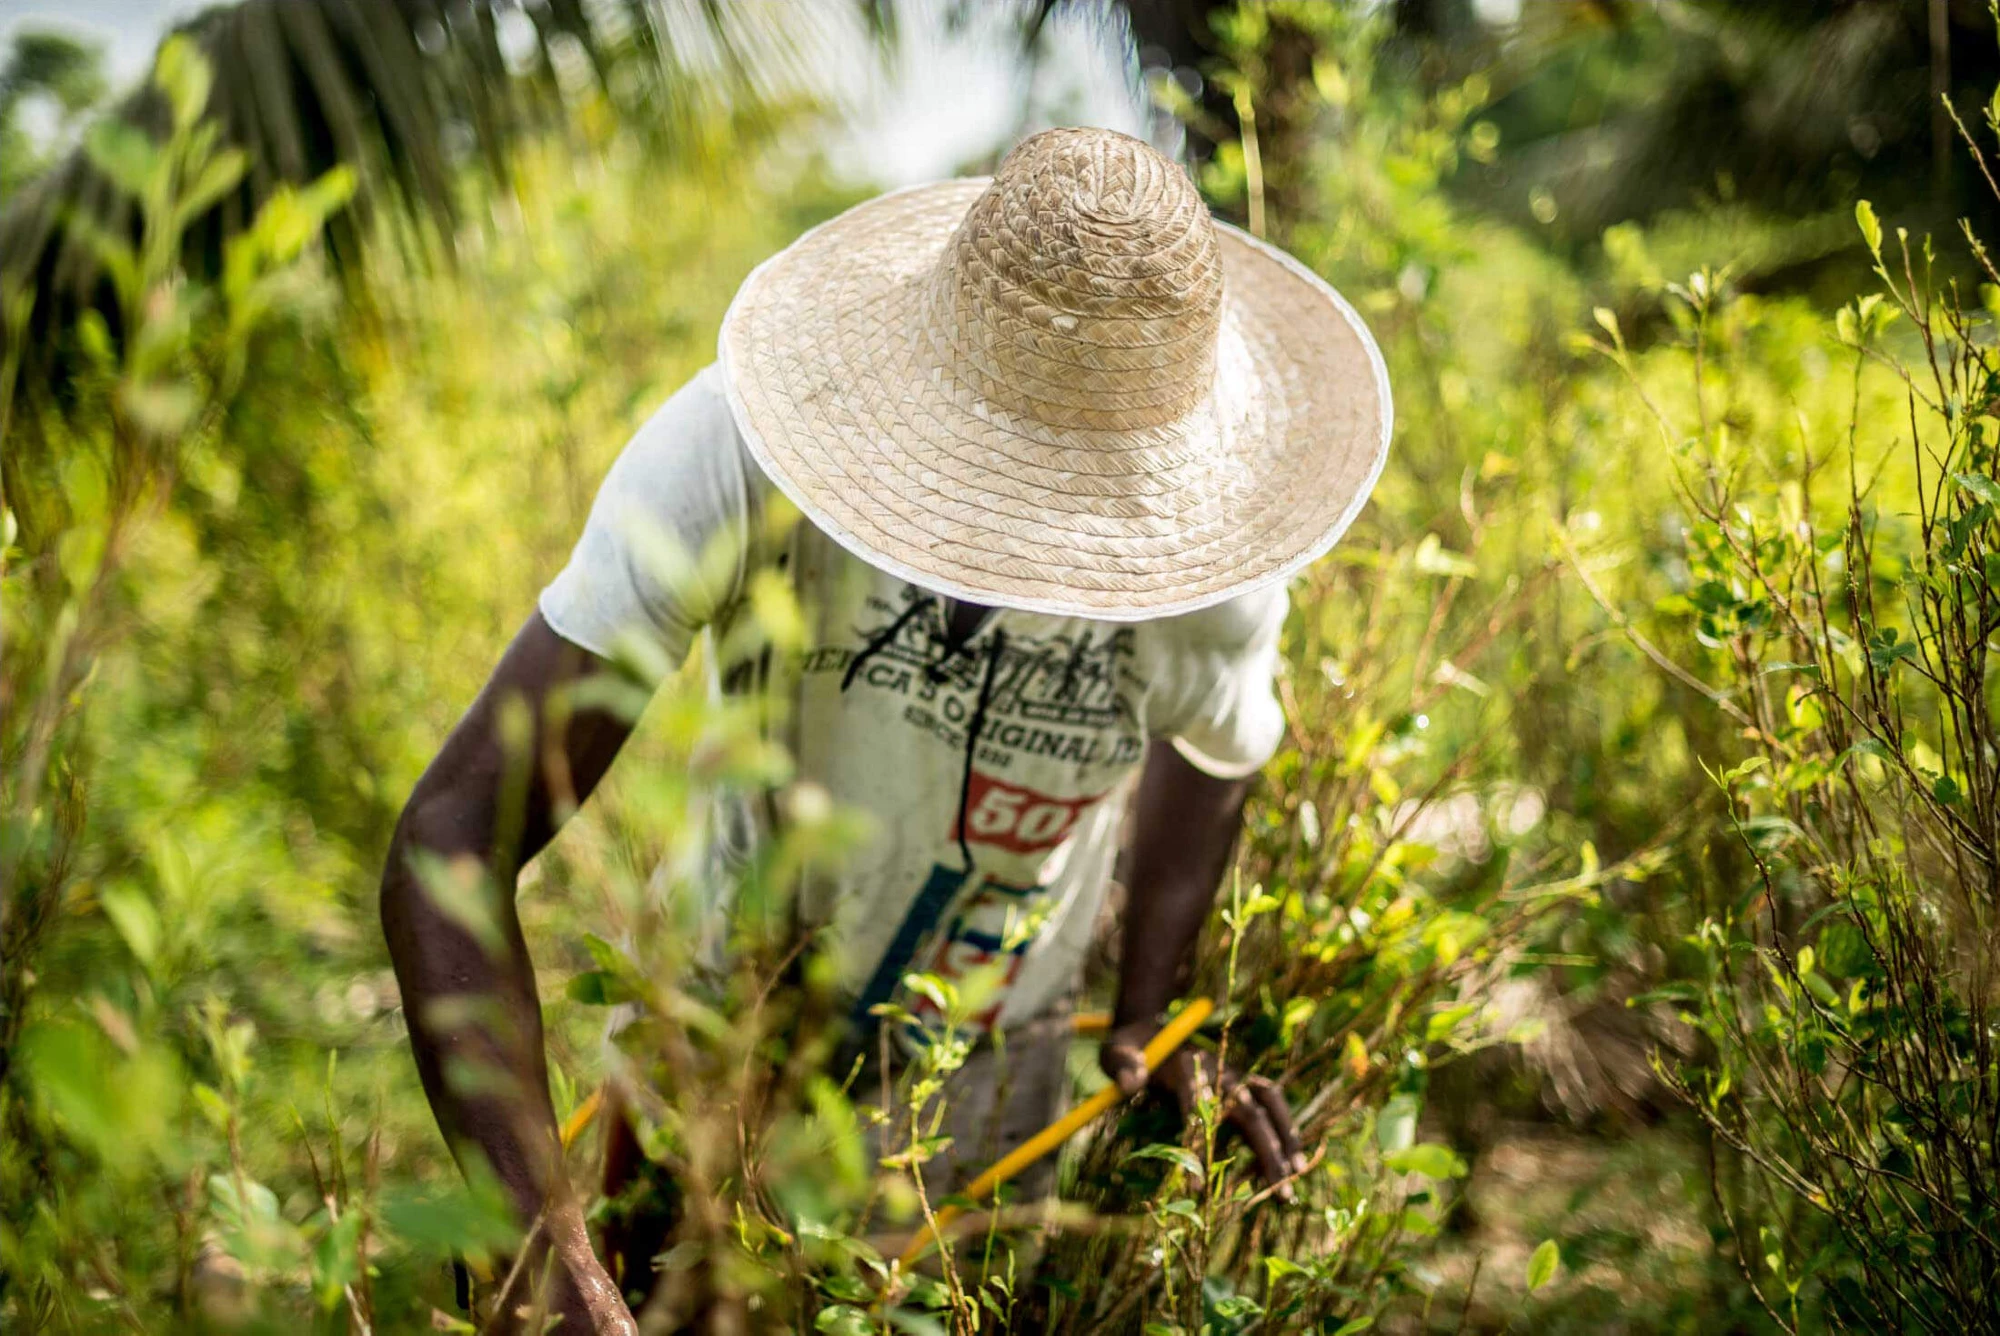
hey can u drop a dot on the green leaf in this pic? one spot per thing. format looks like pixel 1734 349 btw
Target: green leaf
pixel 78 554
pixel 117 1105
pixel 124 154
pixel 475 1218
pixel 1260 904
pixel 213 1106
pixel 1419 1224
pixel 183 74
pixel 1542 1264
pixel 1886 649
pixel 1354 1325
pixel 1277 1268
pixel 1396 1125
pixel 122 263
pixel 938 991
pixel 842 1320
pixel 1179 1156
pixel 241 1204
pixel 598 988
pixel 846 1288
pixel 1745 767
pixel 137 921
pixel 916 1324
pixel 1981 486
pixel 1236 1307
pixel 217 179
pixel 1427 1158
pixel 337 1259
pixel 163 408
pixel 1871 229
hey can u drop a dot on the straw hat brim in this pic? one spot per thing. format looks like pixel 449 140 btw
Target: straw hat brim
pixel 849 403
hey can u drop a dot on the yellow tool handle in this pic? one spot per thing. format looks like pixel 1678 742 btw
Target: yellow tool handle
pixel 578 1120
pixel 1170 1037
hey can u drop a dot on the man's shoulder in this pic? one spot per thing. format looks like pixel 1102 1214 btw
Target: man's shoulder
pixel 692 435
pixel 697 413
pixel 1231 625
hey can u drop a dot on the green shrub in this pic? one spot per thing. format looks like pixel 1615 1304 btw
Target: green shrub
pixel 1841 598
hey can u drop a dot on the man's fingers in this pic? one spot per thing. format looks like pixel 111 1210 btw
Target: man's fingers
pixel 1268 1093
pixel 1248 1114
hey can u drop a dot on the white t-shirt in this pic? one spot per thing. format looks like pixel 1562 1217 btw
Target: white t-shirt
pixel 882 706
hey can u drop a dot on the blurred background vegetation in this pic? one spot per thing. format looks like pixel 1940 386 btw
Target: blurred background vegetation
pixel 1617 915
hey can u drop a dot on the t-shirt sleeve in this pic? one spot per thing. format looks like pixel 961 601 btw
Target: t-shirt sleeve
pixel 1218 701
pixel 667 543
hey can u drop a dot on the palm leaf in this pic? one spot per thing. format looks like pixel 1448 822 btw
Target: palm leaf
pixel 410 94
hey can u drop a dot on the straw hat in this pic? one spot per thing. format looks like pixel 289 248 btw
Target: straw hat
pixel 1064 389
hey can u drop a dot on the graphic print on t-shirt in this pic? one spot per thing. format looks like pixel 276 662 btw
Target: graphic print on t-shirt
pixel 1056 731
pixel 991 925
pixel 991 929
pixel 1017 819
pixel 1053 697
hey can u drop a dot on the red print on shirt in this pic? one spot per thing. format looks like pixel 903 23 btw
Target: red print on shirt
pixel 1018 820
pixel 986 934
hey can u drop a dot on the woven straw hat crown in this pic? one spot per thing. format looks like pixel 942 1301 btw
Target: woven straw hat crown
pixel 1066 389
pixel 1084 288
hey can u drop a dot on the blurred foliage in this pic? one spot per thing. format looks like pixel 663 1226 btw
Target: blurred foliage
pixel 416 99
pixel 1751 124
pixel 47 65
pixel 1566 800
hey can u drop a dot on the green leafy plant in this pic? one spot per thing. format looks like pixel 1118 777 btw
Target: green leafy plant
pixel 1845 604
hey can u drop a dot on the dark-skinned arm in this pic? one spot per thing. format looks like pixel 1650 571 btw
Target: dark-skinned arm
pixel 481 811
pixel 1185 823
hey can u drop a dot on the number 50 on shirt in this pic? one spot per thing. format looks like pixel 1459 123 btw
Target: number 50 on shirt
pixel 1018 820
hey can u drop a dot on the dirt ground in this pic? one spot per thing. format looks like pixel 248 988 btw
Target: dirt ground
pixel 1630 1216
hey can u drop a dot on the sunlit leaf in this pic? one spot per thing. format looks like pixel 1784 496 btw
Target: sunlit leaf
pixel 1542 1264
pixel 126 155
pixel 1981 486
pixel 1871 229
pixel 137 921
pixel 1429 1159
pixel 185 76
pixel 1179 1156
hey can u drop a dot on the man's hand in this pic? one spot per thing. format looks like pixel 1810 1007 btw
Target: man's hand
pixel 577 1289
pixel 1254 1106
pixel 1186 823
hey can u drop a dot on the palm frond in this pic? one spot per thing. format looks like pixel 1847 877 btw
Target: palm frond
pixel 409 94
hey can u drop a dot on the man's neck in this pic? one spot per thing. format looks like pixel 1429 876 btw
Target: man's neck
pixel 962 620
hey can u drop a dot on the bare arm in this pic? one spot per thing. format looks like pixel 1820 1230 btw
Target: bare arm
pixel 480 812
pixel 1184 829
